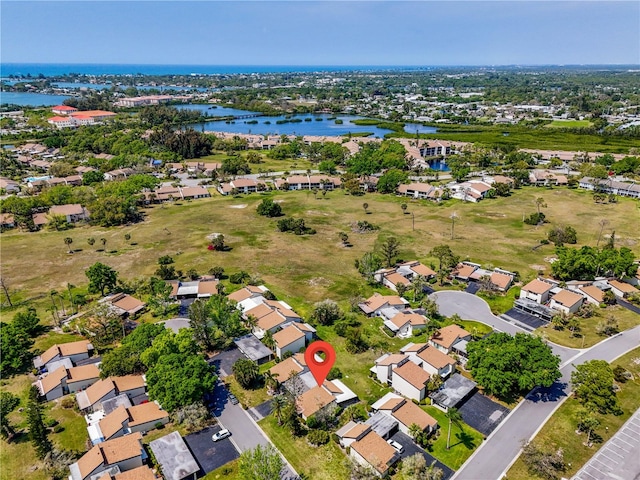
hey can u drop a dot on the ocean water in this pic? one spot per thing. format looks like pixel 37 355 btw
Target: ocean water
pixel 31 99
pixel 56 69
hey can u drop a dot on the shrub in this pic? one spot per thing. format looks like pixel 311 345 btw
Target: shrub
pixel 334 373
pixel 67 402
pixel 51 423
pixel 318 437
pixel 159 425
pixel 269 208
pixel 326 312
pixel 535 219
pixel 58 429
pixel 620 374
pixel 295 225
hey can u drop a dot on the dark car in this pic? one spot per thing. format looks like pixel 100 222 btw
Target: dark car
pixel 233 399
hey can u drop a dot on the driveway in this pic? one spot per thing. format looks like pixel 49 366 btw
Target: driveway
pixel 410 448
pixel 482 413
pixel 209 454
pixel 225 360
pixel 528 320
pixel 472 307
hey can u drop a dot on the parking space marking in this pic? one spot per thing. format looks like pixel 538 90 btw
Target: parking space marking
pixel 618 439
pixel 608 450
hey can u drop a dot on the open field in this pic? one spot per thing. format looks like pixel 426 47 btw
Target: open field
pixel 569 124
pixel 306 269
pixel 559 431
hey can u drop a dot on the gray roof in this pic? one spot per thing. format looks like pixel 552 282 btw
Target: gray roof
pixel 174 457
pixel 111 404
pixel 381 423
pixel 453 391
pixel 253 348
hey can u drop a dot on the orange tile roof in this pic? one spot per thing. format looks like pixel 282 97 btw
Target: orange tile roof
pixel 375 450
pixel 413 374
pixel 396 278
pixel 240 295
pixel 502 280
pixel 435 357
pixel 332 387
pixel 112 423
pixel 415 347
pixel 356 431
pixel 287 336
pixel 593 292
pixel 259 311
pixel 210 287
pixel 145 413
pixel 409 413
pixel 90 461
pixel 567 298
pixel 391 404
pixel 84 372
pixel 271 320
pixel 287 312
pixel 448 335
pixel 53 380
pixel 623 287
pixel 391 359
pixel 313 400
pixel 65 350
pixel 423 270
pixel 121 448
pixel 140 473
pixel 70 209
pixel 537 286
pixel 464 270
pixel 128 382
pixel 128 303
pixel 282 371
pixel 98 390
pixel 377 301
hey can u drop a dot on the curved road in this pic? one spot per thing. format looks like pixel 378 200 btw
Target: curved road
pixel 475 308
pixel 494 456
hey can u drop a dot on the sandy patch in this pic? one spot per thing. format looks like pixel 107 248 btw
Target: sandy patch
pixel 491 215
pixel 537 267
pixel 278 201
pixel 319 282
pixel 241 205
pixel 211 236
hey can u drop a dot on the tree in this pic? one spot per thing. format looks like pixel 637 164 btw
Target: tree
pixel 563 234
pixel 91 241
pixel 269 208
pixel 103 325
pixel 14 345
pixel 388 183
pixel 8 403
pixel 278 405
pixel 344 238
pixel 587 422
pixel 592 384
pixel 35 421
pixel 366 207
pixel 545 464
pixel 103 241
pixel 124 360
pixel 127 237
pixel 326 312
pixel 403 206
pixel 271 382
pixel 201 324
pixel 193 417
pixel 446 260
pixel 389 250
pixel 506 365
pixel 101 277
pixel 246 372
pixel 27 321
pixel 68 241
pixel 260 463
pixel 415 468
pixel 218 243
pixel 368 265
pixel 454 418
pixel 5 289
pixel 540 203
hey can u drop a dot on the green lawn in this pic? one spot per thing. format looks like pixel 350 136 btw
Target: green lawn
pixel 569 124
pixel 74 436
pixel 476 328
pixel 247 397
pixel 227 472
pixel 326 462
pixel 500 302
pixel 559 431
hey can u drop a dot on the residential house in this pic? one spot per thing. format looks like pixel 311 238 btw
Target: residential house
pixel 566 301
pixel 414 269
pixel 125 420
pixel 432 360
pixel 74 351
pixel 289 367
pixel 202 288
pixel 418 190
pixel 446 338
pixel 385 364
pixel 174 457
pixel 123 305
pixel 315 401
pixel 453 392
pixel 405 324
pixel 613 186
pixel 592 294
pixel 502 281
pixel 464 271
pixel 374 305
pixel 392 279
pixel 8 185
pixel 73 213
pixel 406 413
pixel 410 380
pixel 621 289
pixel 140 473
pixel 131 385
pixel 247 292
pixel 241 185
pixel 7 221
pixel 68 380
pixel 118 174
pixel 537 290
pixel 126 453
pixel 289 339
pixel 545 178
pixel 370 449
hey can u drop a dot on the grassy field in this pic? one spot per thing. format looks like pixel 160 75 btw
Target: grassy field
pixel 587 336
pixel 569 124
pixel 227 472
pixel 326 462
pixel 306 269
pixel 559 431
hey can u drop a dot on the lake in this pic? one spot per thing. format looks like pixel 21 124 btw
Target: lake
pixel 302 124
pixel 31 99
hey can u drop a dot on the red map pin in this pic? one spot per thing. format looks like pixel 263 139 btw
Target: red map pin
pixel 320 368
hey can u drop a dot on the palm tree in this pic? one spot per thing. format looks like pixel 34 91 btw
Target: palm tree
pixel 278 405
pixel 73 306
pixel 268 340
pixel 271 381
pixel 91 241
pixel 68 241
pixel 403 206
pixel 454 418
pixel 365 206
pixel 104 243
pixel 54 309
pixel 415 431
pixel 540 204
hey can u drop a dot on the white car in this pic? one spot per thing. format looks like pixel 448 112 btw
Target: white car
pixel 224 433
pixel 399 448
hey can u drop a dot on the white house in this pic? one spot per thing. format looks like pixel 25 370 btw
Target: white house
pixel 432 360
pixel 74 351
pixel 370 449
pixel 537 290
pixel 621 289
pixel 566 301
pixel 374 305
pixel 446 338
pixel 405 324
pixel 289 339
pixel 385 365
pixel 126 453
pixel 405 412
pixel 410 380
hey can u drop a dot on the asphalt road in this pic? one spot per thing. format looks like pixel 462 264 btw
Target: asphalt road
pixel 472 307
pixel 501 449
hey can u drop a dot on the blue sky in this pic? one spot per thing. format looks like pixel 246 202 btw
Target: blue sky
pixel 321 33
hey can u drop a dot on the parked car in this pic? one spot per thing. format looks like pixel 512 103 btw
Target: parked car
pixel 399 448
pixel 233 399
pixel 224 433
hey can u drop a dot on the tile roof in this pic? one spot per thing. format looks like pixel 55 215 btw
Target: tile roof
pixel 623 287
pixel 502 280
pixel 65 350
pixel 128 382
pixel 53 380
pixel 409 413
pixel 112 423
pixel 448 335
pixel 391 404
pixel 287 336
pixel 259 311
pixel 537 286
pixel 121 448
pixel 240 295
pixel 435 357
pixel 464 270
pixel 396 278
pixel 356 431
pixel 128 303
pixel 423 270
pixel 145 413
pixel 375 450
pixel 376 301
pixel 70 209
pixel 84 372
pixel 413 374
pixel 271 320
pixel 391 359
pixel 567 298
pixel 313 400
pixel 140 473
pixel 99 390
pixel 282 371
pixel 593 292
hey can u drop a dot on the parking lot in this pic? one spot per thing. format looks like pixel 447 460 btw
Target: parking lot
pixel 225 360
pixel 209 454
pixel 410 448
pixel 482 413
